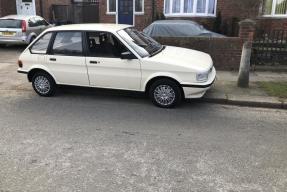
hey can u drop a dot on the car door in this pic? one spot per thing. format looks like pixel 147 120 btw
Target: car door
pixel 66 60
pixel 106 68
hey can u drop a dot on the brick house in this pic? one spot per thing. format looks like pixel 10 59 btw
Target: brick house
pixel 31 7
pixel 218 15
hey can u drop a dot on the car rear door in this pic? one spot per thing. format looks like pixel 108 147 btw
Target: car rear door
pixel 106 69
pixel 66 60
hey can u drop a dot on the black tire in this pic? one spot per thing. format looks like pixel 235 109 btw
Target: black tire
pixel 171 95
pixel 48 88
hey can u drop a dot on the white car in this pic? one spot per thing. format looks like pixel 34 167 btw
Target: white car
pixel 115 57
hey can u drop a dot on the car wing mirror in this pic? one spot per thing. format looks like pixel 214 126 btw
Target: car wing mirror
pixel 127 55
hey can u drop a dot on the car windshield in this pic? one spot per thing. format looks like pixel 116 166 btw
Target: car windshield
pixel 144 45
pixel 10 23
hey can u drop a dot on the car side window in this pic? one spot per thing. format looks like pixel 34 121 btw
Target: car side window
pixel 32 22
pixel 68 44
pixel 103 44
pixel 41 45
pixel 41 22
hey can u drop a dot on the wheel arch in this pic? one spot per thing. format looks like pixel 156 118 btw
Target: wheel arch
pixel 154 79
pixel 32 72
pixel 30 36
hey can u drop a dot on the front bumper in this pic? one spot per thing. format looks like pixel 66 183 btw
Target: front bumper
pixel 198 90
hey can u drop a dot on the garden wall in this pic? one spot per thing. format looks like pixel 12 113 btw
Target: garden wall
pixel 226 52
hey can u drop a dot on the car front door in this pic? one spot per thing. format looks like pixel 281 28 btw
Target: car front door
pixel 106 67
pixel 66 60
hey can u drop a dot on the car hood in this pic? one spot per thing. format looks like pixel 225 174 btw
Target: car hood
pixel 185 58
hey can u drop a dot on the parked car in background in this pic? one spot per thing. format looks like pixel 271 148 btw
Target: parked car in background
pixel 115 57
pixel 178 28
pixel 21 29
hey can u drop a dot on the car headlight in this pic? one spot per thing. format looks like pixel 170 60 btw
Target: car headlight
pixel 202 77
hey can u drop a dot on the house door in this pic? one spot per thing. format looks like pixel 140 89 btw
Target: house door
pixel 126 12
pixel 26 7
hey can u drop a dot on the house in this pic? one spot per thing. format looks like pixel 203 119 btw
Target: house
pixel 29 7
pixel 218 15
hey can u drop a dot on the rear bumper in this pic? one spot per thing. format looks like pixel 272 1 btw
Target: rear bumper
pixel 13 41
pixel 22 71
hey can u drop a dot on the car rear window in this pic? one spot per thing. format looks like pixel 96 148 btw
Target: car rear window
pixel 10 23
pixel 41 46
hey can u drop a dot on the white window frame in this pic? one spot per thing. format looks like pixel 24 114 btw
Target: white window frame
pixel 139 12
pixel 115 12
pixel 273 14
pixel 108 8
pixel 193 14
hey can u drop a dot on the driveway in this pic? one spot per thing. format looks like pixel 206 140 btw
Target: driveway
pixel 94 140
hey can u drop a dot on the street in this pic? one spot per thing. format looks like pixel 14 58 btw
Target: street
pixel 94 140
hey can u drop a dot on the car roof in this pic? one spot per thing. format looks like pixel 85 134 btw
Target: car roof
pixel 174 21
pixel 19 17
pixel 90 27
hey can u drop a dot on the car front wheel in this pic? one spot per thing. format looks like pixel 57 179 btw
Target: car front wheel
pixel 43 84
pixel 165 93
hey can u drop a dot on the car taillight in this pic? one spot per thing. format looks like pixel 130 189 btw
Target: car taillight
pixel 20 63
pixel 24 26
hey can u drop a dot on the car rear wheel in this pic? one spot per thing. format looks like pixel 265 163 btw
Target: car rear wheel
pixel 43 84
pixel 165 93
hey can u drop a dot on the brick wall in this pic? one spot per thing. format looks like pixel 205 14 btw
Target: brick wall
pixel 141 21
pixel 225 52
pixel 7 7
pixel 268 24
pixel 1 8
pixel 47 4
pixel 104 17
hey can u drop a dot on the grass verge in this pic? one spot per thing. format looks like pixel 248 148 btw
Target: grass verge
pixel 276 89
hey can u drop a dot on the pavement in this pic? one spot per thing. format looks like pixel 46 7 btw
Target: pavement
pixel 226 91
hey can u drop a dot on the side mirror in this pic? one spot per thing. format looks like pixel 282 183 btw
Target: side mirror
pixel 127 55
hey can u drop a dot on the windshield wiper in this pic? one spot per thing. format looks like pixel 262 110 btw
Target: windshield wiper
pixel 158 51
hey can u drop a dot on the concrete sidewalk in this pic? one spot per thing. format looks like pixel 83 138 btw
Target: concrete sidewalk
pixel 225 90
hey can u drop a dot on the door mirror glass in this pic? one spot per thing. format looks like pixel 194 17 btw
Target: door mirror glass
pixel 127 55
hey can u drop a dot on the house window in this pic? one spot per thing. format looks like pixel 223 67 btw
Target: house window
pixel 275 8
pixel 190 7
pixel 139 6
pixel 112 6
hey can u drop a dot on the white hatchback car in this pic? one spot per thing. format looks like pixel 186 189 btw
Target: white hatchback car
pixel 115 57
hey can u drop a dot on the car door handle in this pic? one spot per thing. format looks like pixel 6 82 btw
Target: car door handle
pixel 53 59
pixel 94 62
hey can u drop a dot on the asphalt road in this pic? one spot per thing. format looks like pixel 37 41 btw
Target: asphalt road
pixel 93 140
